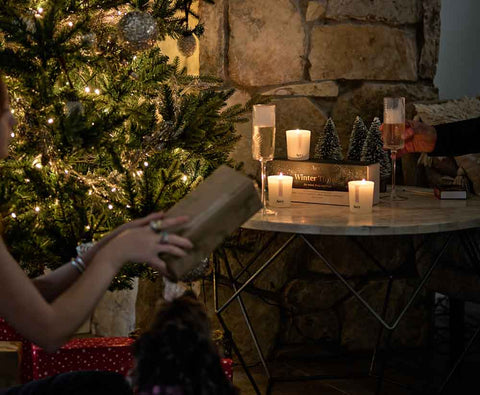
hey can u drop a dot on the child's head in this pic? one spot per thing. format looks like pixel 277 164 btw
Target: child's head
pixel 178 350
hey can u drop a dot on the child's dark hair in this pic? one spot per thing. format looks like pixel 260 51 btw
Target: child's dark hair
pixel 178 350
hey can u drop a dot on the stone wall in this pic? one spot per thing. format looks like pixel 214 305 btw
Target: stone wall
pixel 317 59
pixel 321 58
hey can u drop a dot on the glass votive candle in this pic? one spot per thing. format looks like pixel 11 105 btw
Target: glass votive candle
pixel 298 144
pixel 280 190
pixel 360 194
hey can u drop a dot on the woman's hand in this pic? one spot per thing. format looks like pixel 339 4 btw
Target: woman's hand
pixel 138 242
pixel 419 137
pixel 87 257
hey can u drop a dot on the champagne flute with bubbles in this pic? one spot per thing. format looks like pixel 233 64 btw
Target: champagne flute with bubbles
pixel 263 141
pixel 394 133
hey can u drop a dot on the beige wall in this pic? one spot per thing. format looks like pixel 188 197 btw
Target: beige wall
pixel 169 48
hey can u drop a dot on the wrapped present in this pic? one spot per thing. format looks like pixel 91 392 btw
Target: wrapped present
pixel 112 354
pixel 326 182
pixel 217 207
pixel 7 333
pixel 227 366
pixel 10 363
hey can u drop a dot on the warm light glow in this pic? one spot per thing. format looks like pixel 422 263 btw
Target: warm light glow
pixel 110 206
pixel 87 227
pixel 93 123
pixel 114 189
pixel 12 134
pixel 37 209
pixel 87 89
pixel 145 164
pixel 40 10
pixel 70 24
pixel 38 165
pixel 13 215
pixel 139 173
pixel 12 110
pixel 281 174
pixel 27 180
pixel 184 178
pixel 66 171
pixel 89 192
pixel 97 91
pixel 50 120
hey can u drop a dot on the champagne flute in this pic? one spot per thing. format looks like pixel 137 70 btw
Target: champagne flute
pixel 263 142
pixel 394 133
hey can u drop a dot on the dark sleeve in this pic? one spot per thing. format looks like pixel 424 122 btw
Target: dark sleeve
pixel 457 138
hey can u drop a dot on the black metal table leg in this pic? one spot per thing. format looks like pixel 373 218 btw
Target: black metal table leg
pixel 226 330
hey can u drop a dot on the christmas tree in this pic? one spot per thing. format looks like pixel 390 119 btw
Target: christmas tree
pixel 110 129
pixel 357 139
pixel 328 145
pixel 373 149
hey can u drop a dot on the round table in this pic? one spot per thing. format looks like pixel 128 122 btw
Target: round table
pixel 420 213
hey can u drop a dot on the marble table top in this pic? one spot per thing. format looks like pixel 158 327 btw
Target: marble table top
pixel 421 213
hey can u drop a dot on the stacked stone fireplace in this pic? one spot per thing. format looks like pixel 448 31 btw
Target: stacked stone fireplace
pixel 319 59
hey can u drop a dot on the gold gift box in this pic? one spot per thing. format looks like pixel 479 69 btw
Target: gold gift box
pixel 326 182
pixel 216 208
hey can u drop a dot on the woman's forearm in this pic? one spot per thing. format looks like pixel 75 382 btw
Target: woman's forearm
pixel 457 138
pixel 54 283
pixel 50 325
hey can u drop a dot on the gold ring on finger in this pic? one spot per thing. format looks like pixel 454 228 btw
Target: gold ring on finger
pixel 156 226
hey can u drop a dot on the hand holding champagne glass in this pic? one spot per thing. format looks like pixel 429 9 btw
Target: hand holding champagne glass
pixel 394 133
pixel 263 141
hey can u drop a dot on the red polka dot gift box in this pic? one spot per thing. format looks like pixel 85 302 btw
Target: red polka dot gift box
pixel 113 354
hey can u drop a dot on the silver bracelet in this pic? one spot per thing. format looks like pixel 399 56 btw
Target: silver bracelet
pixel 80 262
pixel 76 265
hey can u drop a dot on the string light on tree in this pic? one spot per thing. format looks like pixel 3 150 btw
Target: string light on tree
pixel 37 209
pixel 13 215
pixel 105 182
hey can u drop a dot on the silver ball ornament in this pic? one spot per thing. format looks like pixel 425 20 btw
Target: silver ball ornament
pixel 138 29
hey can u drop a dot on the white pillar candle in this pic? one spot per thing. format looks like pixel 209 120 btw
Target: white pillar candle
pixel 298 144
pixel 360 195
pixel 280 190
